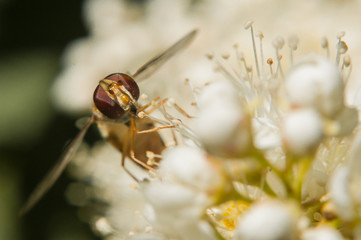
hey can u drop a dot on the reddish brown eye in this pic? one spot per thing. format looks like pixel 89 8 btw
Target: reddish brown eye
pixel 127 81
pixel 105 104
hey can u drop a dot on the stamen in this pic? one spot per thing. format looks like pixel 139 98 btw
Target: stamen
pixel 324 45
pixel 346 64
pixel 261 36
pixel 342 46
pixel 193 91
pixel 278 44
pixel 225 56
pixel 292 44
pixel 238 57
pixel 175 121
pixel 238 75
pixel 246 26
pixel 237 80
pixel 221 68
pixel 339 36
pixel 249 70
pixel 210 56
pixel 270 62
pixel 346 60
pixel 185 131
pixel 188 133
pixel 242 59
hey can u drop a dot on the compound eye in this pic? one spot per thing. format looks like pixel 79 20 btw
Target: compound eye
pixel 105 104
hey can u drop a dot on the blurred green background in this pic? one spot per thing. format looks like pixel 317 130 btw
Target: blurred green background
pixel 33 35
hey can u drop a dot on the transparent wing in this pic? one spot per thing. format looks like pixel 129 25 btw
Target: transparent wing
pixel 155 63
pixel 56 171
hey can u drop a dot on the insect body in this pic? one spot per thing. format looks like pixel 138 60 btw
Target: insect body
pixel 116 98
pixel 120 119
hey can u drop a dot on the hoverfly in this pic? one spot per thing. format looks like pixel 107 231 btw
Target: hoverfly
pixel 118 116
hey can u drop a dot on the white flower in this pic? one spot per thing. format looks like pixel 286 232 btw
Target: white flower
pixel 267 221
pixel 315 82
pixel 248 129
pixel 175 200
pixel 321 233
pixel 302 130
pixel 104 182
pixel 175 210
pixel 187 186
pixel 221 124
pixel 190 166
pixel 266 133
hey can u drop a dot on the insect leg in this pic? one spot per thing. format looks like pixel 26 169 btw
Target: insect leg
pixel 156 107
pixel 182 111
pixel 124 155
pixel 156 101
pixel 149 130
pixel 131 150
pixel 142 108
pixel 177 107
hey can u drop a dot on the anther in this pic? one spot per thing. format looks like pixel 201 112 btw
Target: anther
pixel 259 35
pixel 342 47
pixel 248 24
pixel 324 44
pixel 347 60
pixel 210 56
pixel 293 42
pixel 340 35
pixel 278 42
pixel 270 61
pixel 225 56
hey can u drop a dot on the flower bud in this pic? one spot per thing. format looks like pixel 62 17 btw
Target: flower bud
pixel 271 220
pixel 222 125
pixel 302 131
pixel 315 82
pixel 322 233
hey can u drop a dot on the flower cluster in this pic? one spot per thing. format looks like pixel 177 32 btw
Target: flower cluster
pixel 271 152
pixel 286 141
